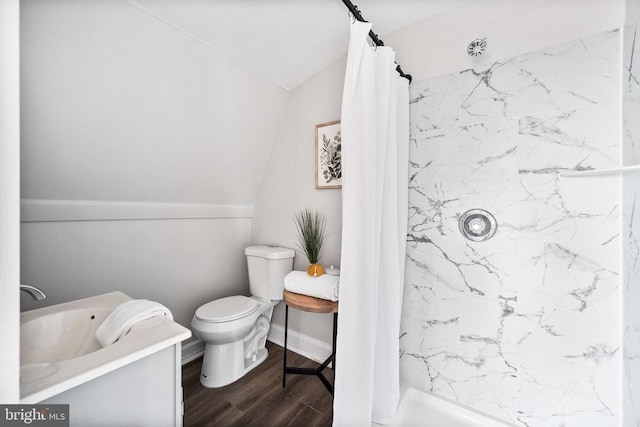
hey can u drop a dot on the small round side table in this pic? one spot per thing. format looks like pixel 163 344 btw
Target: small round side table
pixel 311 305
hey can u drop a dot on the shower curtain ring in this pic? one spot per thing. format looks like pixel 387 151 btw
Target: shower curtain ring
pixel 352 16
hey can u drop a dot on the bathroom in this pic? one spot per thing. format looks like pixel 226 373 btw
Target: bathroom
pixel 150 160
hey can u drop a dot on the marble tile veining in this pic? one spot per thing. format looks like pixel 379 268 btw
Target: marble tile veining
pixel 523 326
pixel 575 74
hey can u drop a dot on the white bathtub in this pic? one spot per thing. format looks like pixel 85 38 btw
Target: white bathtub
pixel 62 362
pixel 421 409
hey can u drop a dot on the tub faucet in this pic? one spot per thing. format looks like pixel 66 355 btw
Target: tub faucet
pixel 36 293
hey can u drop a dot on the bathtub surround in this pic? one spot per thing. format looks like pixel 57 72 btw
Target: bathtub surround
pixel 156 377
pixel 524 326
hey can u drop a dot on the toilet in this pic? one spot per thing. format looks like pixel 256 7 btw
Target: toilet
pixel 235 328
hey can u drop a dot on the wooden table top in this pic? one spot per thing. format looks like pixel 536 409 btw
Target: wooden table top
pixel 309 303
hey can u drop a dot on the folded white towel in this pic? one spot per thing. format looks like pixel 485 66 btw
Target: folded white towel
pixel 325 286
pixel 119 322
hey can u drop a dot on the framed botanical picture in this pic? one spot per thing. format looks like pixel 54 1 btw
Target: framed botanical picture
pixel 328 155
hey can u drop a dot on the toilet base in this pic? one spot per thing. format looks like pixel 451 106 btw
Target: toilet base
pixel 223 364
pixel 215 374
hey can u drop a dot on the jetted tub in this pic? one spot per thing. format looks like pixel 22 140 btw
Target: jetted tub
pixel 135 381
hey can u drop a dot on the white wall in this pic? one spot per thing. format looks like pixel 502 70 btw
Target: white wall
pixel 289 185
pixel 9 200
pixel 181 263
pixel 118 106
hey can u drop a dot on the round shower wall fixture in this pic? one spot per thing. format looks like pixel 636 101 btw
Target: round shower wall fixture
pixel 477 47
pixel 477 225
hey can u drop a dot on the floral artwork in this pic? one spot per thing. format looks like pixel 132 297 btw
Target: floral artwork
pixel 328 155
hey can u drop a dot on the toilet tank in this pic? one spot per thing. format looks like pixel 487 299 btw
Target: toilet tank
pixel 267 267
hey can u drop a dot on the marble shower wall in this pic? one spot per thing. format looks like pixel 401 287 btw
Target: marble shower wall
pixel 524 326
pixel 631 209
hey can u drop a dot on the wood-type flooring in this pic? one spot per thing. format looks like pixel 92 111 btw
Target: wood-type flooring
pixel 258 399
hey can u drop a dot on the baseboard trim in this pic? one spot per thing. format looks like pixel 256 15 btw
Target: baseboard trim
pixel 192 350
pixel 300 343
pixel 297 342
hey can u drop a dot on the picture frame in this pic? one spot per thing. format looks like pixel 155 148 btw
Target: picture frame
pixel 328 155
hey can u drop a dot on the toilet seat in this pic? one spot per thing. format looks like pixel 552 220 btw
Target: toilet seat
pixel 227 309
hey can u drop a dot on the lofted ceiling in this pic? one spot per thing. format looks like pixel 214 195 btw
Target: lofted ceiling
pixel 285 41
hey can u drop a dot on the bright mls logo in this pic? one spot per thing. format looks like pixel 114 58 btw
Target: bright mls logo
pixel 34 415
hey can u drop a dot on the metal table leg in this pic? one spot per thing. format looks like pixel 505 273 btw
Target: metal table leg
pixel 286 328
pixel 311 371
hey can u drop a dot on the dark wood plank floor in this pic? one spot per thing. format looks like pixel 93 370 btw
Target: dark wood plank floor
pixel 258 398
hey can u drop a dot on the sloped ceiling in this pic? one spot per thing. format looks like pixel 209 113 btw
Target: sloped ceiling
pixel 179 102
pixel 285 41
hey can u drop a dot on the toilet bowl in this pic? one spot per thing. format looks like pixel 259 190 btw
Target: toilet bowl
pixel 235 328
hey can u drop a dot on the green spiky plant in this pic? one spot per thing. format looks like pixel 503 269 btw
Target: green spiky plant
pixel 311 234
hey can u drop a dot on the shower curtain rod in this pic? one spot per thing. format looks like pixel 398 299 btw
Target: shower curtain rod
pixel 355 12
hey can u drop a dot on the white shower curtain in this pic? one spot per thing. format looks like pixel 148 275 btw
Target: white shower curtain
pixel 375 146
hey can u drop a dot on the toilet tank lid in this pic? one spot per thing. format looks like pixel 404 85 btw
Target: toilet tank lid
pixel 270 252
